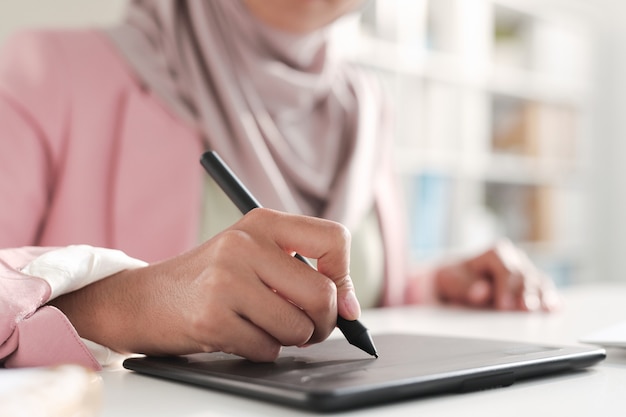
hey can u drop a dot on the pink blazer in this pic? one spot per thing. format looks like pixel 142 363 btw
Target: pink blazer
pixel 87 156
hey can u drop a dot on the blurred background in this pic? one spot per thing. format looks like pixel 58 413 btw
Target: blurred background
pixel 508 119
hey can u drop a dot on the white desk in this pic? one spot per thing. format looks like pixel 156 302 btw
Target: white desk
pixel 601 391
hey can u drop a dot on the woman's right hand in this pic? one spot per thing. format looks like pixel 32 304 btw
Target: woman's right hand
pixel 241 292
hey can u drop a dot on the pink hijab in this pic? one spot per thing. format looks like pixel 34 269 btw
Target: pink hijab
pixel 301 128
pixel 304 130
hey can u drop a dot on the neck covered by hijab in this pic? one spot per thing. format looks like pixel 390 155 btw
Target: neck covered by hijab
pixel 300 127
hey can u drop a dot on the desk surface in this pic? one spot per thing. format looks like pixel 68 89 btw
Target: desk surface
pixel 598 391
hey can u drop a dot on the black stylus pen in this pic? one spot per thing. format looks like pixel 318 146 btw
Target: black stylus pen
pixel 353 330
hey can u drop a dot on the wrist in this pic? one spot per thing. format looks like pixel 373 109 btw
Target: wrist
pixel 105 312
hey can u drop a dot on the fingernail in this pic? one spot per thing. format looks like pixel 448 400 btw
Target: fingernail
pixel 352 306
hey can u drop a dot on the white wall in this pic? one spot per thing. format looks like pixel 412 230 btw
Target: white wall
pixel 608 180
pixel 18 14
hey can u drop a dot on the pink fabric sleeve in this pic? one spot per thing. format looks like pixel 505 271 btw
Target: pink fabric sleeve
pixel 32 335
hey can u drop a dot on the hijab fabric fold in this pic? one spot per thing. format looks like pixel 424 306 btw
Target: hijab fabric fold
pixel 298 126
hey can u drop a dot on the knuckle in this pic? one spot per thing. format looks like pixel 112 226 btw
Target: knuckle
pixel 222 254
pixel 232 239
pixel 327 291
pixel 325 298
pixel 495 254
pixel 257 215
pixel 340 232
pixel 299 334
pixel 207 322
pixel 345 282
pixel 322 332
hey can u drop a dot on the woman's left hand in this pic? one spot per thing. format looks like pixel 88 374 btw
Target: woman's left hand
pixel 503 278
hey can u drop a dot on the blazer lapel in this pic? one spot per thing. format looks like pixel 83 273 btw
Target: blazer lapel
pixel 157 191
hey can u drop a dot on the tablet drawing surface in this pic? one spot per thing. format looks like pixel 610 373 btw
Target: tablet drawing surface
pixel 333 375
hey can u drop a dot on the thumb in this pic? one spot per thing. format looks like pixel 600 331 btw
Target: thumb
pixel 348 306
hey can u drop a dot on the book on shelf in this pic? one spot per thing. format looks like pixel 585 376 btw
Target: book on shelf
pixel 429 213
pixel 525 212
pixel 535 129
pixel 512 38
pixel 554 47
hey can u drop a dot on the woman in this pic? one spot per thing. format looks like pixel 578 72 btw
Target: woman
pixel 99 148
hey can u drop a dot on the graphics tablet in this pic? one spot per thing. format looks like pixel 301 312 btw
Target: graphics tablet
pixel 334 375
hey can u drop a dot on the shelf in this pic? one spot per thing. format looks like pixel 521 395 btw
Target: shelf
pixel 509 169
pixel 386 56
pixel 567 12
pixel 490 122
pixel 530 171
pixel 529 85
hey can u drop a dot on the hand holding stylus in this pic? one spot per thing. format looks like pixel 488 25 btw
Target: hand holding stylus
pixel 349 309
pixel 239 292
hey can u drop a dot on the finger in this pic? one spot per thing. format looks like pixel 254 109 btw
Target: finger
pixel 530 300
pixel 327 242
pixel 304 304
pixel 458 284
pixel 506 283
pixel 451 283
pixel 530 296
pixel 274 314
pixel 480 293
pixel 214 324
pixel 250 342
pixel 303 286
pixel 305 289
pixel 550 299
pixel 535 285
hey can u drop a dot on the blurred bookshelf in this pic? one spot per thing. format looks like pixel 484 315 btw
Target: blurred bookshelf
pixel 491 109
